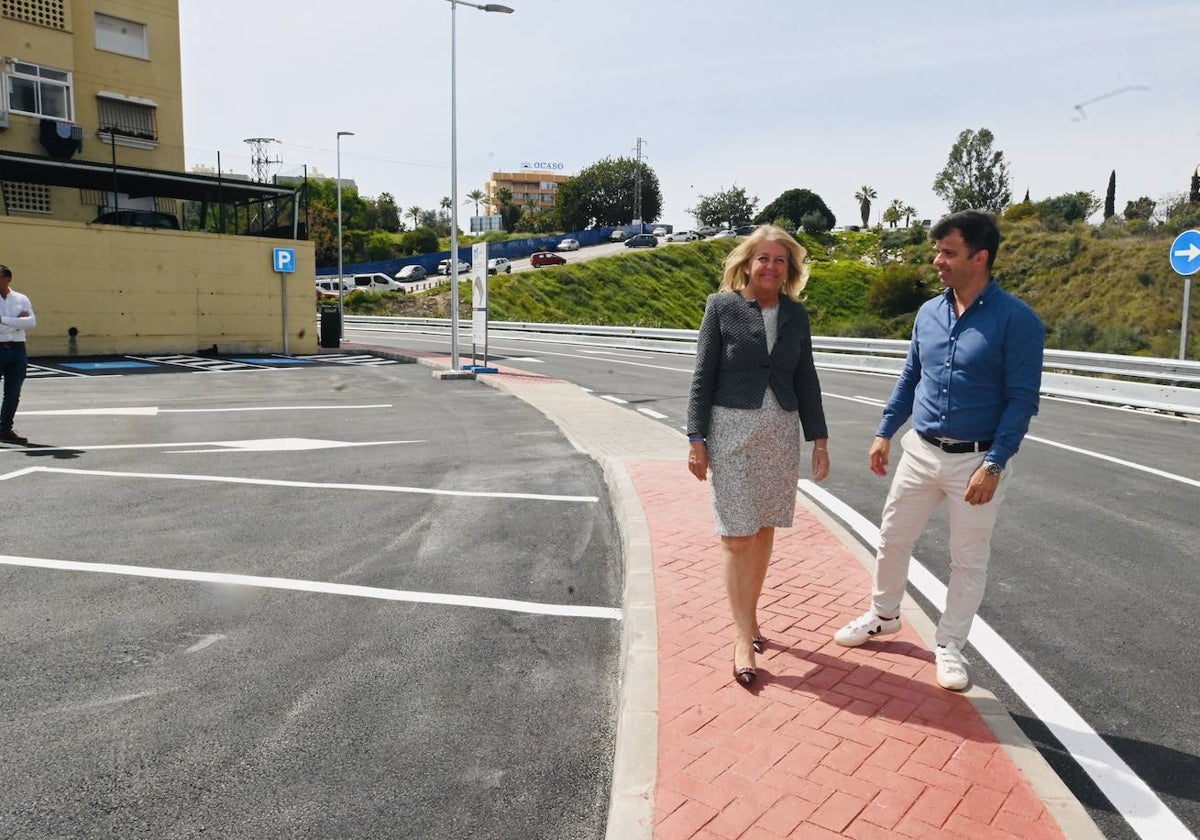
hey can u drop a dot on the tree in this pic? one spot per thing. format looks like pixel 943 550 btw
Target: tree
pixel 1142 208
pixel 908 211
pixel 796 204
pixel 728 207
pixel 1110 197
pixel 975 177
pixel 864 197
pixel 509 212
pixel 414 213
pixel 387 213
pixel 1194 189
pixel 894 213
pixel 1067 208
pixel 476 195
pixel 606 193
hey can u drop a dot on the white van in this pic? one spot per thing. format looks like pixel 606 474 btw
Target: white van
pixel 375 282
pixel 329 287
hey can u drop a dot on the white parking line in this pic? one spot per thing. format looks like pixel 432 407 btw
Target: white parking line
pixel 1132 797
pixel 153 411
pixel 612 399
pixel 213 446
pixel 314 485
pixel 531 607
pixel 649 412
pixel 1181 479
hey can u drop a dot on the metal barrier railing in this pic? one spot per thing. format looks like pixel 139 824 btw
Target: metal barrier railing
pixel 1170 385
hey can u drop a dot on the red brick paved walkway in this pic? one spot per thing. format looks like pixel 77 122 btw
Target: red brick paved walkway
pixel 832 742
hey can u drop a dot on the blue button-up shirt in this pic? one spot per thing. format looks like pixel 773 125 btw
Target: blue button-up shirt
pixel 971 378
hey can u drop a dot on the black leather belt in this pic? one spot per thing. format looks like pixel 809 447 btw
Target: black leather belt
pixel 958 447
pixel 12 343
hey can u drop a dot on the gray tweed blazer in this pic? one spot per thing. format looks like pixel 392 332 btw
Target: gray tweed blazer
pixel 733 367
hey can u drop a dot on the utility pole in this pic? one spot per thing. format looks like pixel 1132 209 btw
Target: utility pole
pixel 637 196
pixel 260 162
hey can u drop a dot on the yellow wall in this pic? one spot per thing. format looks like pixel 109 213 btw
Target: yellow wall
pixel 138 290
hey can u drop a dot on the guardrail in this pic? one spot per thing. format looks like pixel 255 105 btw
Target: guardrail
pixel 1170 385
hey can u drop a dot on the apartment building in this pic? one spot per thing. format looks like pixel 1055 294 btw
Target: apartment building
pixel 530 187
pixel 88 80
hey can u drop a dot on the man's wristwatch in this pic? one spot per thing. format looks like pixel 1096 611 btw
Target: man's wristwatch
pixel 992 468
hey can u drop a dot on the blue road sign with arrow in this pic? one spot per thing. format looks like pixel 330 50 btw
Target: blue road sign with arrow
pixel 1185 253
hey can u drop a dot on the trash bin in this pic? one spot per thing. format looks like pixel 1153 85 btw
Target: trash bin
pixel 331 328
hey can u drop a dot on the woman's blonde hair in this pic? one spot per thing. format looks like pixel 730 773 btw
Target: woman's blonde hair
pixel 737 264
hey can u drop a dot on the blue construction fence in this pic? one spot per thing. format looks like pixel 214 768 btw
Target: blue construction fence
pixel 514 249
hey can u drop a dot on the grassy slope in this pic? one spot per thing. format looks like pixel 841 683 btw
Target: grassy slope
pixel 1121 286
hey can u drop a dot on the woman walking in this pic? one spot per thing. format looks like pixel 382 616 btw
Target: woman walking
pixel 754 387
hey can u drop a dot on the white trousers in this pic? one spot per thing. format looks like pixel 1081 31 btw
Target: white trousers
pixel 924 478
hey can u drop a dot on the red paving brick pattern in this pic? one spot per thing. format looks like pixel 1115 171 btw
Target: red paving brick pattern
pixel 832 741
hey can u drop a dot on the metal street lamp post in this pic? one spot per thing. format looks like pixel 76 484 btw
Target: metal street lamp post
pixel 452 265
pixel 341 290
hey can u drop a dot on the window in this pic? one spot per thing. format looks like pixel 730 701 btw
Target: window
pixel 126 117
pixel 126 37
pixel 52 13
pixel 26 198
pixel 40 91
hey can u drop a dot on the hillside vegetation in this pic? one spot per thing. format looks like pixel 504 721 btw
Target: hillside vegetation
pixel 1096 288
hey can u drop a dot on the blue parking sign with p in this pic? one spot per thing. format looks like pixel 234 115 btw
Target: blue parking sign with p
pixel 285 259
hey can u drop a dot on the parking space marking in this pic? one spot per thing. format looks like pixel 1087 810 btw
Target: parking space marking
pixel 312 485
pixel 505 604
pixel 153 411
pixel 262 445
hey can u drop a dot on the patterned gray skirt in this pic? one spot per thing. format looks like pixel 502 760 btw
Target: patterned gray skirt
pixel 754 454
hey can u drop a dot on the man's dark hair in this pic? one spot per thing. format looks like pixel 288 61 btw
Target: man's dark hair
pixel 979 230
pixel 4 271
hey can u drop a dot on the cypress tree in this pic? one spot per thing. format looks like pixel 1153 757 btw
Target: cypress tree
pixel 1110 198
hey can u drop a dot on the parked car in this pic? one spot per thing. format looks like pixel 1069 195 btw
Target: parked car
pixel 444 267
pixel 745 230
pixel 724 234
pixel 542 258
pixel 498 265
pixel 682 236
pixel 642 240
pixel 618 236
pixel 660 231
pixel 411 274
pixel 328 287
pixel 138 218
pixel 569 245
pixel 704 232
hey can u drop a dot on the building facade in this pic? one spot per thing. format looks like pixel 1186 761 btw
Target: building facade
pixel 530 187
pixel 91 80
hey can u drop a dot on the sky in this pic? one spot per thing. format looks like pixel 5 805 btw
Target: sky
pixel 769 95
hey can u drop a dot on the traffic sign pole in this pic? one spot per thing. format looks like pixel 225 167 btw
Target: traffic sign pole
pixel 1185 259
pixel 283 260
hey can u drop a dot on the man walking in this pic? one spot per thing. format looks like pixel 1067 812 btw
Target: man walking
pixel 16 316
pixel 970 384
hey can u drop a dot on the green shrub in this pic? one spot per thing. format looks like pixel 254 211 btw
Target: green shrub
pixel 898 289
pixel 419 241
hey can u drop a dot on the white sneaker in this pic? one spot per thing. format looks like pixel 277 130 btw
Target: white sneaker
pixel 951 672
pixel 866 626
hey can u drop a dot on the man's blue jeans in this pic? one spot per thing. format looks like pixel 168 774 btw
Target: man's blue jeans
pixel 12 369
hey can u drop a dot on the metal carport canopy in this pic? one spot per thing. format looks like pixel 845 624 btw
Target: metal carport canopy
pixel 132 180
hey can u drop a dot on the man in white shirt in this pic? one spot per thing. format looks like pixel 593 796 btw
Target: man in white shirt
pixel 16 316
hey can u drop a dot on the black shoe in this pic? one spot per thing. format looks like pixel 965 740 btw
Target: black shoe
pixel 12 437
pixel 759 643
pixel 745 676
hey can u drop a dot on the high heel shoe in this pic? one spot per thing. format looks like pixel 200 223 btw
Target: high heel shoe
pixel 759 643
pixel 745 676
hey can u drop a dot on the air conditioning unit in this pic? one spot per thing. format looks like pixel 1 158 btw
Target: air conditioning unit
pixel 3 120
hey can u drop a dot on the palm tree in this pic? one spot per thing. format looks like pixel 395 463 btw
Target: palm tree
pixel 414 213
pixel 863 197
pixel 475 195
pixel 908 211
pixel 894 213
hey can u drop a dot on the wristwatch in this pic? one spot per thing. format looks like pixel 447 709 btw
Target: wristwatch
pixel 992 468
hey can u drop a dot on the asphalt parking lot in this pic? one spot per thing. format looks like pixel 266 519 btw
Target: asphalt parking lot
pixel 337 599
